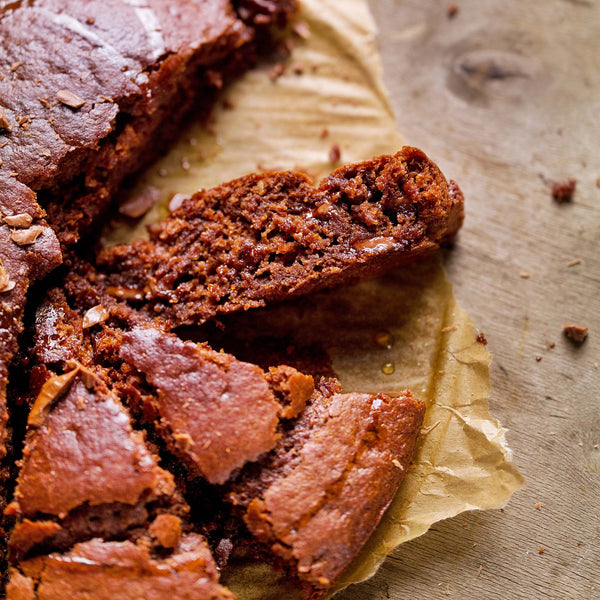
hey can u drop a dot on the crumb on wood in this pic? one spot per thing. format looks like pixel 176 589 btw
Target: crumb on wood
pixel 562 191
pixel 482 339
pixel 538 358
pixel 577 333
pixel 551 345
pixel 447 592
pixel 575 261
pixel 542 550
pixel 538 505
pixel 525 275
pixel 479 570
pixel 452 10
pixel 324 132
pixel 598 182
pixel 335 154
pixel 449 328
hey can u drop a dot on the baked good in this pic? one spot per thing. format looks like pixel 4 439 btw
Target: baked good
pixel 87 90
pixel 269 237
pixel 85 472
pixel 214 412
pixel 314 501
pixel 284 453
pixel 98 570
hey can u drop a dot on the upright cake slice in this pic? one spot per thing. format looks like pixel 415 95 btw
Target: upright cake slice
pixel 265 238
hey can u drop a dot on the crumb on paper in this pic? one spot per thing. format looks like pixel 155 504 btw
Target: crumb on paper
pixel 452 10
pixel 301 29
pixel 562 191
pixel 575 261
pixel 525 275
pixel 577 333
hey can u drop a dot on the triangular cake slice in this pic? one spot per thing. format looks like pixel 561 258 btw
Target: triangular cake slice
pixel 98 570
pixel 268 237
pixel 85 472
pixel 214 412
pixel 317 498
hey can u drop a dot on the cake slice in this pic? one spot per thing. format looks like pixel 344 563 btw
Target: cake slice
pixel 99 570
pixel 85 472
pixel 214 412
pixel 269 237
pixel 315 500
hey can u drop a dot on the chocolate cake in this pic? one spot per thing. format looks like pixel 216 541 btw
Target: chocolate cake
pixel 90 92
pixel 314 501
pixel 85 472
pixel 296 461
pixel 269 237
pixel 99 570
pixel 214 412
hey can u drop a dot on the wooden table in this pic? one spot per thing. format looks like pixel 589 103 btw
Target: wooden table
pixel 505 95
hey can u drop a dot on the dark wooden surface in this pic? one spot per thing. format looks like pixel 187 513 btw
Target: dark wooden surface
pixel 505 96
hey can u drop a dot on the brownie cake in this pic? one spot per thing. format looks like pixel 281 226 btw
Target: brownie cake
pixel 270 237
pixel 90 92
pixel 294 461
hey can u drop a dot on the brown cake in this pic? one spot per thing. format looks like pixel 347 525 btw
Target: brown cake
pixel 214 412
pixel 85 473
pixel 98 570
pixel 90 92
pixel 314 501
pixel 269 237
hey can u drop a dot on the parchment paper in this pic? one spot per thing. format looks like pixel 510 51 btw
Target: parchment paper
pixel 403 330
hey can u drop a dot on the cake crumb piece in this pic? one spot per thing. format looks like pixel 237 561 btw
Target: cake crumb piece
pixel 335 154
pixel 577 333
pixel 452 10
pixel 90 20
pixel 575 261
pixel 479 570
pixel 538 505
pixel 301 29
pixel 69 99
pixel 482 339
pixel 541 550
pixel 449 328
pixel 538 358
pixel 447 592
pixel 525 275
pixel 277 71
pixel 562 191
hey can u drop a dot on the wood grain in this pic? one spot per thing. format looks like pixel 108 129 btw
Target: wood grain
pixel 505 96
